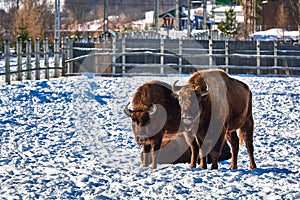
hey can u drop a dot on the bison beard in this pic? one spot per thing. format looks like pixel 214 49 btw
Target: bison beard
pixel 148 96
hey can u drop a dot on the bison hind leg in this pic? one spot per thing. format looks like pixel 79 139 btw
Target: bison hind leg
pixel 247 134
pixel 214 158
pixel 233 140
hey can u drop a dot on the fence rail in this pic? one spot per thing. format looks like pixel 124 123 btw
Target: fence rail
pixel 120 56
pixel 128 57
pixel 29 63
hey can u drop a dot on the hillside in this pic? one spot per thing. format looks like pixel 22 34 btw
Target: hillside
pixel 128 9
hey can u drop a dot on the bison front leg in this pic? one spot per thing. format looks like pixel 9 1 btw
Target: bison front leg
pixel 155 146
pixel 192 142
pixel 195 153
pixel 146 159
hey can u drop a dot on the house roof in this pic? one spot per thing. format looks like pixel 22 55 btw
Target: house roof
pixel 173 12
pixel 168 15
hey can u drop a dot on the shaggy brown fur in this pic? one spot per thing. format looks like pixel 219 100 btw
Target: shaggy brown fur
pixel 226 109
pixel 159 133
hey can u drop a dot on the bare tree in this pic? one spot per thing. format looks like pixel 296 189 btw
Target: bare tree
pixel 295 11
pixel 33 19
pixel 80 10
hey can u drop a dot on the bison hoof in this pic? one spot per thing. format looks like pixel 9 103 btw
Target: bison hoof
pixel 252 166
pixel 144 165
pixel 203 167
pixel 192 165
pixel 154 166
pixel 214 166
pixel 232 167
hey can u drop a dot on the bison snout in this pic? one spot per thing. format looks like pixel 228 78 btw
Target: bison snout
pixel 141 140
pixel 188 120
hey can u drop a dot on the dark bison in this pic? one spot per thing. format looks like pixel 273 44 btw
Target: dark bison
pixel 156 119
pixel 213 107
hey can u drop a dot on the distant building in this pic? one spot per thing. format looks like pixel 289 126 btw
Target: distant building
pixel 167 19
pixel 220 13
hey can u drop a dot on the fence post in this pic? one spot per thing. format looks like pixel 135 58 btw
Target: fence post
pixel 70 55
pixel 114 55
pixel 56 57
pixel 64 56
pixel 46 57
pixel 89 39
pixel 275 56
pixel 180 55
pixel 37 59
pixel 19 59
pixel 258 57
pixel 226 56
pixel 123 54
pixel 28 59
pixel 210 52
pixel 7 61
pixel 162 49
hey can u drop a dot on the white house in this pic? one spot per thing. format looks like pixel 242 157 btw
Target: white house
pixel 219 13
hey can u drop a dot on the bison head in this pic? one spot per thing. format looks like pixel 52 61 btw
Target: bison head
pixel 146 121
pixel 189 97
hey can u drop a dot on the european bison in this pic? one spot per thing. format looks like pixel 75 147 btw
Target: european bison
pixel 156 119
pixel 213 107
pixel 155 112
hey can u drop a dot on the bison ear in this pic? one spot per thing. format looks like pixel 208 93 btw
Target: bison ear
pixel 202 90
pixel 197 90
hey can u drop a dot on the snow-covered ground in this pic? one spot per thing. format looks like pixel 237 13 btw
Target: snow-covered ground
pixel 68 138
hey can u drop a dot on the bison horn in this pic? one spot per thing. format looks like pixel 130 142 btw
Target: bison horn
pixel 202 92
pixel 175 89
pixel 205 92
pixel 127 111
pixel 152 109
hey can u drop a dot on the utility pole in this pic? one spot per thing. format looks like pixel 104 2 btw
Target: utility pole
pixel 105 18
pixel 188 26
pixel 156 14
pixel 57 20
pixel 213 14
pixel 177 16
pixel 204 14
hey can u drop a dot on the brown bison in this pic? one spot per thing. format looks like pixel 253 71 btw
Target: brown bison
pixel 156 119
pixel 213 107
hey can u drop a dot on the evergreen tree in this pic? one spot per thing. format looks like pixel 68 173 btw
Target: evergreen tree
pixel 230 25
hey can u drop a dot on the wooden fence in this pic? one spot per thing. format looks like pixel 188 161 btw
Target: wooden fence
pixel 127 56
pixel 29 63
